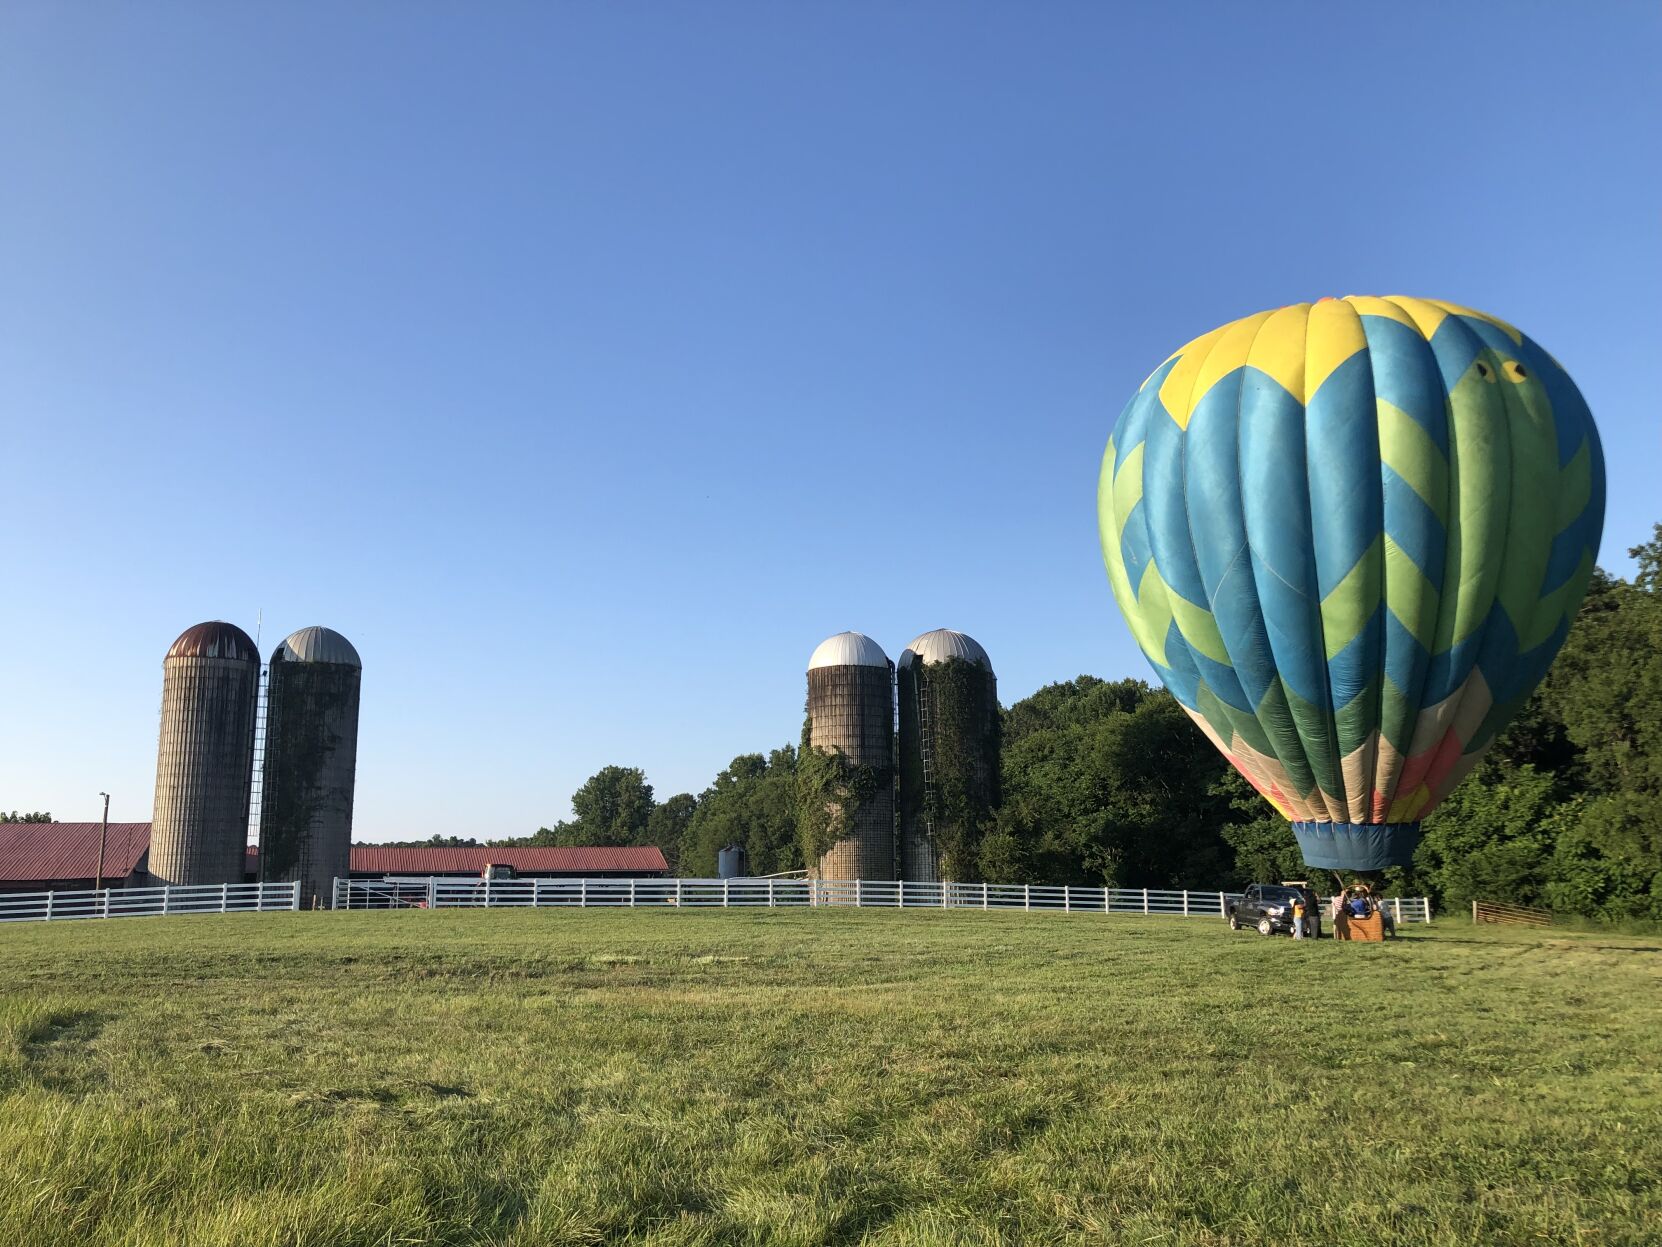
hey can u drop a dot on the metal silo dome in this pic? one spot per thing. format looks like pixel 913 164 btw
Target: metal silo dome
pixel 848 649
pixel 317 645
pixel 943 644
pixel 215 639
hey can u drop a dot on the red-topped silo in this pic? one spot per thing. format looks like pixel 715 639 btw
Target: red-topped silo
pixel 205 756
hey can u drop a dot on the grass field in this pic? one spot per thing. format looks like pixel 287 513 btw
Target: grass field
pixel 829 1077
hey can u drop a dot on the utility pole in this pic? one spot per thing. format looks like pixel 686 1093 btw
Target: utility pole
pixel 103 835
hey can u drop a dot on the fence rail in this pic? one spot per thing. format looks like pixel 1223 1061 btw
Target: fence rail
pixel 1495 911
pixel 216 898
pixel 437 893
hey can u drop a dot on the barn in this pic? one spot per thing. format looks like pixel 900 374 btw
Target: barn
pixel 58 857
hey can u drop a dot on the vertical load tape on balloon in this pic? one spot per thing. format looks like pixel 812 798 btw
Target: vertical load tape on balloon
pixel 1350 536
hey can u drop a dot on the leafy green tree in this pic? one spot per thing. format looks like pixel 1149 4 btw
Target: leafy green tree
pixel 560 835
pixel 1493 840
pixel 1648 555
pixel 613 807
pixel 1608 864
pixel 1107 783
pixel 33 816
pixel 668 826
pixel 1606 687
pixel 1261 840
pixel 752 803
pixel 1073 703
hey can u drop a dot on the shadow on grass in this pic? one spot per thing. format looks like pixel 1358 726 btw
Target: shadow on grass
pixel 53 1049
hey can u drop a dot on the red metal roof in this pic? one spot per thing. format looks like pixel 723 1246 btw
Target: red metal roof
pixel 386 860
pixel 69 850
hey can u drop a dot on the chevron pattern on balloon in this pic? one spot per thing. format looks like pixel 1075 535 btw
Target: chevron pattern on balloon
pixel 1350 536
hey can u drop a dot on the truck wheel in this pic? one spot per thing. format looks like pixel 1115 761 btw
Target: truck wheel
pixel 1266 927
pixel 1234 921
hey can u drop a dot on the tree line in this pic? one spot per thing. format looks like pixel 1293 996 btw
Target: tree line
pixel 1108 782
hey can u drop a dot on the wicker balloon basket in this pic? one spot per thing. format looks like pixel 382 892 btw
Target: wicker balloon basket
pixel 1349 926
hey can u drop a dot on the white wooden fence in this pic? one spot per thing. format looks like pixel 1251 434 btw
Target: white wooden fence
pixel 215 898
pixel 436 893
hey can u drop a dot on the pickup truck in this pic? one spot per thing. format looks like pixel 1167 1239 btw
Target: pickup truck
pixel 1268 907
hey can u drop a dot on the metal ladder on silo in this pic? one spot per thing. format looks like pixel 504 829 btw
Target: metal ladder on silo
pixel 256 786
pixel 927 756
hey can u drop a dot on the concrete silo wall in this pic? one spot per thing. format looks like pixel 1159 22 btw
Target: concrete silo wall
pixel 311 762
pixel 851 710
pixel 204 770
pixel 949 767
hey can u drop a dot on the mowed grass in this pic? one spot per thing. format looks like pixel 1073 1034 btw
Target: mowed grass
pixel 820 1077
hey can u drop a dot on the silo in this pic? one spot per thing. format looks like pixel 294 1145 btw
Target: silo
pixel 730 862
pixel 205 757
pixel 851 716
pixel 311 760
pixel 949 761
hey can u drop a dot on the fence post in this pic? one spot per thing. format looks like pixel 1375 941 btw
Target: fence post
pixel 1107 899
pixel 631 894
pixel 1398 906
pixel 583 893
pixel 1027 896
pixel 946 893
pixel 1426 900
pixel 771 882
pixel 224 896
pixel 432 892
pixel 536 894
pixel 1185 902
pixel 106 912
pixel 294 900
pixel 1223 909
pixel 167 901
pixel 1067 899
pixel 49 897
pixel 726 892
pixel 858 902
pixel 983 896
pixel 900 891
pixel 1474 913
pixel 678 894
pixel 1145 900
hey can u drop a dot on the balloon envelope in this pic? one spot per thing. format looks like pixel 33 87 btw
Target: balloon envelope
pixel 1350 537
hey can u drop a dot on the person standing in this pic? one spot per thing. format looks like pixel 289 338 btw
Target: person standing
pixel 1298 916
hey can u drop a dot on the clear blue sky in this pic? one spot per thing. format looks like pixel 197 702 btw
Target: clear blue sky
pixel 587 364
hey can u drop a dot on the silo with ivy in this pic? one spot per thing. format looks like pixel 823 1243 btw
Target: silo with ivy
pixel 948 755
pixel 846 767
pixel 311 762
pixel 205 757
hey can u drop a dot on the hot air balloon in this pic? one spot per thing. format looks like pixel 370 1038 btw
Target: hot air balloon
pixel 1350 536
